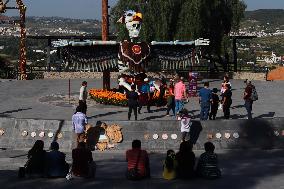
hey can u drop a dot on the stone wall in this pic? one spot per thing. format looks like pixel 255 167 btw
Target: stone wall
pixel 76 75
pixel 225 134
pixel 249 75
pixel 94 75
pixel 114 75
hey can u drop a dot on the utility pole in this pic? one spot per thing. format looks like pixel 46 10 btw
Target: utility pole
pixel 105 35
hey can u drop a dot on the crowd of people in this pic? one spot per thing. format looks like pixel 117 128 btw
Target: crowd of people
pixel 174 95
pixel 183 164
pixel 52 163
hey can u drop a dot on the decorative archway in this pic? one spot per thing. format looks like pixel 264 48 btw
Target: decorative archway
pixel 23 35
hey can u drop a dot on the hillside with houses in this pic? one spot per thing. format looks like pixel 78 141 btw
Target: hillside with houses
pixel 266 25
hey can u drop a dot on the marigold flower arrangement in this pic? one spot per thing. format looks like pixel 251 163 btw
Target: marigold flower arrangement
pixel 108 97
pixel 112 98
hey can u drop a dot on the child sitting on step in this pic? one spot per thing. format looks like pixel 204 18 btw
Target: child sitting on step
pixel 170 165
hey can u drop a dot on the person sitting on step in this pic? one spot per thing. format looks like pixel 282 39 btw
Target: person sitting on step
pixel 36 155
pixel 55 164
pixel 83 164
pixel 207 166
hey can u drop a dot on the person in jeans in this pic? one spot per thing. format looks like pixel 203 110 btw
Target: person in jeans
pixel 145 96
pixel 207 166
pixel 227 101
pixel 180 94
pixel 132 97
pixel 248 100
pixel 205 98
pixel 55 164
pixel 137 158
pixel 79 121
pixel 83 164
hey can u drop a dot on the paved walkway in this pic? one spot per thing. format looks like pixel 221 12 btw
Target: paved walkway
pixel 241 169
pixel 252 170
pixel 21 99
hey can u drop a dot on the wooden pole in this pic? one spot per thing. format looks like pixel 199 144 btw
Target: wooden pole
pixel 69 90
pixel 23 50
pixel 105 37
pixel 235 54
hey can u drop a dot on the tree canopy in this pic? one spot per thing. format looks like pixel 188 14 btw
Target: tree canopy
pixel 168 20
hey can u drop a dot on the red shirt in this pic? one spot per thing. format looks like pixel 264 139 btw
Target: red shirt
pixel 248 92
pixel 131 158
pixel 179 90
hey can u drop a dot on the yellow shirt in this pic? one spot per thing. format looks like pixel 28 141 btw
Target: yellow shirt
pixel 170 175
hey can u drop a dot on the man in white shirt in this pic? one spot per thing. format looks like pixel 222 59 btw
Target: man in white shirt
pixel 79 120
pixel 83 97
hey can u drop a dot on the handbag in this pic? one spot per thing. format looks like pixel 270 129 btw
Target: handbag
pixel 133 174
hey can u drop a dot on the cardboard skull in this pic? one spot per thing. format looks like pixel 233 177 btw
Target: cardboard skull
pixel 2 7
pixel 132 21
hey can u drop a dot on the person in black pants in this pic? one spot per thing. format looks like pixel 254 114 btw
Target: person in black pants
pixel 132 97
pixel 227 101
pixel 214 104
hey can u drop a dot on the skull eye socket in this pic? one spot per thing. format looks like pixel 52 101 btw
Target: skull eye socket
pixel 136 25
pixel 129 14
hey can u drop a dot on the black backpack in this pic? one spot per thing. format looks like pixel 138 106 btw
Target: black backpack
pixel 254 95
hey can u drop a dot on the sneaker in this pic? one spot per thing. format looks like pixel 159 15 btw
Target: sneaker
pixel 168 115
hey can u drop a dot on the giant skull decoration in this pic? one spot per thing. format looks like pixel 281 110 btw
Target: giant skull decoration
pixel 132 21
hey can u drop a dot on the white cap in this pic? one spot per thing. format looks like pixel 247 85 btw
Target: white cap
pixel 146 79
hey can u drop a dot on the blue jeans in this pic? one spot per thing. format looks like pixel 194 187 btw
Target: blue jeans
pixel 179 106
pixel 248 106
pixel 204 113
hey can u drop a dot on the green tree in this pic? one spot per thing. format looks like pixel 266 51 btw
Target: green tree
pixel 167 20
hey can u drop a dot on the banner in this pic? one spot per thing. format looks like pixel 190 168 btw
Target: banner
pixel 193 76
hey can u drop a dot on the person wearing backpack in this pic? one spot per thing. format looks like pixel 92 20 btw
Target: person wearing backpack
pixel 138 165
pixel 250 95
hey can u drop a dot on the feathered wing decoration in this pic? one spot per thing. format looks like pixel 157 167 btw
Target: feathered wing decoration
pixel 95 58
pixel 171 57
pixel 136 57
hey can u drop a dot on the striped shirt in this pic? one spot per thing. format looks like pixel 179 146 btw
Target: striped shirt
pixel 131 158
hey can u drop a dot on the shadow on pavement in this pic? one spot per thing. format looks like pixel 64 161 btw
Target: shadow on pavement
pixel 13 111
pixel 250 170
pixel 105 114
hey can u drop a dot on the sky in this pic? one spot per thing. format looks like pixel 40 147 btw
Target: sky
pixel 91 9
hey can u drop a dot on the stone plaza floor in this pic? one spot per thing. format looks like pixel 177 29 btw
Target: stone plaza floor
pixel 250 169
pixel 42 99
pixel 39 99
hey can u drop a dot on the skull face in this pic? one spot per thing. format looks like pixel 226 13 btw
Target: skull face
pixel 2 7
pixel 132 21
pixel 133 28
